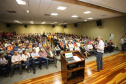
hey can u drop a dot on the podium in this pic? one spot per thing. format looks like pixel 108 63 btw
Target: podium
pixel 72 72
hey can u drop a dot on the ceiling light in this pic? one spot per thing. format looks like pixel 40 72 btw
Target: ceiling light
pixel 31 22
pixel 21 2
pixel 90 18
pixel 74 16
pixel 43 22
pixel 87 12
pixel 17 21
pixel 55 22
pixel 85 20
pixel 54 14
pixel 61 8
pixel 27 11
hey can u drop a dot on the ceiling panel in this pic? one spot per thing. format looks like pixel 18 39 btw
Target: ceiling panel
pixel 38 8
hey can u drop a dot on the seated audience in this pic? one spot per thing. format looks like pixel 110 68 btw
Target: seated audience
pixel 83 51
pixel 16 60
pixel 37 48
pixel 9 48
pixel 43 55
pixel 20 50
pixel 52 54
pixel 34 56
pixel 106 46
pixel 26 59
pixel 66 47
pixel 77 47
pixel 4 64
pixel 71 47
pixel 110 47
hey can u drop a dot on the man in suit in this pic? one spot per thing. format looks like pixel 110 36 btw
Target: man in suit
pixel 52 54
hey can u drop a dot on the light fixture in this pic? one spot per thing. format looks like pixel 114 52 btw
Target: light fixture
pixel 31 22
pixel 85 20
pixel 21 2
pixel 17 21
pixel 55 22
pixel 87 12
pixel 43 22
pixel 27 11
pixel 74 16
pixel 61 8
pixel 54 14
pixel 90 18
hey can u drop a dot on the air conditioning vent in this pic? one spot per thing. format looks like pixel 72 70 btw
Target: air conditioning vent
pixel 11 11
pixel 47 14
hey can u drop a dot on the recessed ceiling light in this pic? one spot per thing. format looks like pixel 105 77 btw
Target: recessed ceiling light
pixel 21 2
pixel 17 21
pixel 74 16
pixel 87 12
pixel 85 20
pixel 43 22
pixel 27 11
pixel 31 22
pixel 90 18
pixel 54 14
pixel 61 8
pixel 55 22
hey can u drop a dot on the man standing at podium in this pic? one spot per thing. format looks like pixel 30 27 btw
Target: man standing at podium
pixel 100 51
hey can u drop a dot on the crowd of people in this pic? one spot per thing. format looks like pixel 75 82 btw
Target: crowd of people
pixel 19 49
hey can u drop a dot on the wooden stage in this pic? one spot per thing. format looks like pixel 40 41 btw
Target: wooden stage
pixel 114 72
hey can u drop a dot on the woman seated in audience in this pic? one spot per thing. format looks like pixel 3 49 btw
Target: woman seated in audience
pixel 20 44
pixel 4 64
pixel 26 59
pixel 71 47
pixel 58 50
pixel 30 45
pixel 23 45
pixel 40 44
pixel 47 47
pixel 77 47
pixel 9 48
pixel 61 45
pixel 66 47
pixel 83 51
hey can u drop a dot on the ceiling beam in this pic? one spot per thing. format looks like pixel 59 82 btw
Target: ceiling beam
pixel 92 6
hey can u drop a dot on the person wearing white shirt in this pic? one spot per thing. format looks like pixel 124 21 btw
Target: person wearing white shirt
pixel 122 41
pixel 25 59
pixel 78 43
pixel 20 50
pixel 77 47
pixel 16 60
pixel 4 64
pixel 90 47
pixel 37 48
pixel 71 47
pixel 100 51
pixel 35 56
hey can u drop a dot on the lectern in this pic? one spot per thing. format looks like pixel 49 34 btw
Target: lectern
pixel 72 72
